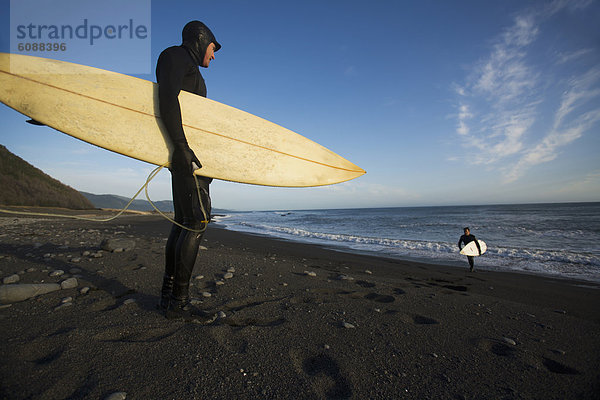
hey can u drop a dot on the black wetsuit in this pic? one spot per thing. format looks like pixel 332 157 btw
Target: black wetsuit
pixel 176 70
pixel 466 239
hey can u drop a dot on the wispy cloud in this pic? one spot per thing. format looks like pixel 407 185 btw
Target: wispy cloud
pixel 570 123
pixel 504 115
pixel 566 57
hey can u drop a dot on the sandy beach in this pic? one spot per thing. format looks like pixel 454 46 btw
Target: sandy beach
pixel 295 321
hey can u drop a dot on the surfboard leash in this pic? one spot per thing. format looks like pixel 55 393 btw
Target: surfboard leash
pixel 145 188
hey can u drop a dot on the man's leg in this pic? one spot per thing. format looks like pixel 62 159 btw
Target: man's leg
pixel 170 251
pixel 471 262
pixel 195 217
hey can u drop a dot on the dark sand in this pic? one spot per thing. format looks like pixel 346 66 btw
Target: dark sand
pixel 419 331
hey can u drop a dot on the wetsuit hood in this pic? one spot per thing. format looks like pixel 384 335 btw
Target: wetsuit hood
pixel 195 38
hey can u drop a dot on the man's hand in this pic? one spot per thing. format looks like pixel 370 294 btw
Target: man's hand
pixel 183 158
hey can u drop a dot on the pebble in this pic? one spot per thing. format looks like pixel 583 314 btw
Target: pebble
pixel 30 270
pixel 84 290
pixel 206 294
pixel 509 341
pixel 221 314
pixel 116 396
pixel 559 352
pixel 76 259
pixel 57 272
pixel 86 253
pixel 228 275
pixel 219 283
pixel 343 277
pixel 231 269
pixel 64 305
pixel 348 325
pixel 202 248
pixel 14 278
pixel 129 301
pixel 69 283
pixel 368 272
pixel 117 243
pixel 310 273
pixel 67 300
pixel 198 277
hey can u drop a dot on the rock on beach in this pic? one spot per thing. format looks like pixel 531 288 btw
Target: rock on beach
pixel 14 278
pixel 69 283
pixel 24 291
pixel 117 244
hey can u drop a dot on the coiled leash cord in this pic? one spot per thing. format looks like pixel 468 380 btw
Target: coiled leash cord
pixel 145 188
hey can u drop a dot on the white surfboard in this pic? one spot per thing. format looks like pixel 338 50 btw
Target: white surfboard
pixel 120 113
pixel 471 248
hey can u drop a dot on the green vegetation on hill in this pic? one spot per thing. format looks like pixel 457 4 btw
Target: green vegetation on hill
pixel 24 185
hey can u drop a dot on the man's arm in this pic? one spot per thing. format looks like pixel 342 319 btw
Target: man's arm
pixel 477 243
pixel 170 73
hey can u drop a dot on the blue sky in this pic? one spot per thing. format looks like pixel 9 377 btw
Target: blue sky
pixel 442 103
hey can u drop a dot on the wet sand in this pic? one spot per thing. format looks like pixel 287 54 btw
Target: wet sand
pixel 297 322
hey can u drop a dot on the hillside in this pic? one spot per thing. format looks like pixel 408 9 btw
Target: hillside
pixel 24 185
pixel 119 202
pixel 140 204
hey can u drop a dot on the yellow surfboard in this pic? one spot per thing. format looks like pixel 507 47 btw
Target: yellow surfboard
pixel 120 113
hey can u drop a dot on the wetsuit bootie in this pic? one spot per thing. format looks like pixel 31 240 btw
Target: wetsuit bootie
pixel 181 309
pixel 166 291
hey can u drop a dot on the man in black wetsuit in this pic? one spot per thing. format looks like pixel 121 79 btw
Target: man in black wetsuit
pixel 176 70
pixel 466 239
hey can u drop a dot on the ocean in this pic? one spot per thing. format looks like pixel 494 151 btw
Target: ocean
pixel 561 240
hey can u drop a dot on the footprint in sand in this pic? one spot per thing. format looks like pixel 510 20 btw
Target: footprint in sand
pixel 510 351
pixel 559 368
pixel 457 288
pixel 380 298
pixel 324 370
pixel 49 358
pixel 365 284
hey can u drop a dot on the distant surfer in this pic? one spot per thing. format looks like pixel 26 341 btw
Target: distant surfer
pixel 177 70
pixel 466 239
